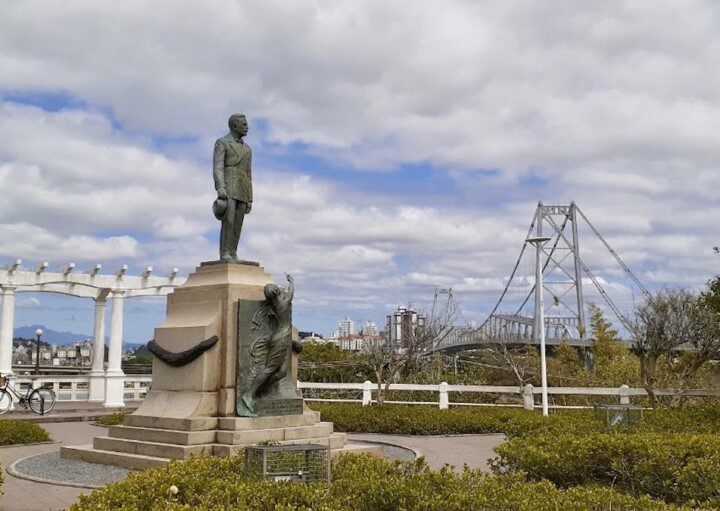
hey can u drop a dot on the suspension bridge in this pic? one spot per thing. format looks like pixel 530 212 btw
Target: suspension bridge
pixel 513 319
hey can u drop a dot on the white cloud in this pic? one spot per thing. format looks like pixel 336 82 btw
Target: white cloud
pixel 613 105
pixel 36 243
pixel 511 84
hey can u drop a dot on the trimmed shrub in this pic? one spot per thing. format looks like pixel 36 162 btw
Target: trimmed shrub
pixel 691 419
pixel 676 468
pixel 14 432
pixel 417 420
pixel 514 422
pixel 361 483
pixel 426 420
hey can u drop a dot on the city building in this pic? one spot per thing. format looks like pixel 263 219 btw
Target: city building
pixel 315 337
pixel 360 342
pixel 401 325
pixel 76 354
pixel 346 327
pixel 369 328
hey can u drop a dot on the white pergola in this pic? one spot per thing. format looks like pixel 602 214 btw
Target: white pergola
pixel 105 384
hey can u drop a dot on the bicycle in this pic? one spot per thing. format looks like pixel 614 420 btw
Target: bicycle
pixel 40 400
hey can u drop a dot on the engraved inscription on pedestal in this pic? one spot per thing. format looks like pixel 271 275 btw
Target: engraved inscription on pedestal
pixel 279 407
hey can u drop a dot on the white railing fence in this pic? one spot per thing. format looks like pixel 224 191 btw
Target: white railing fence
pixel 528 393
pixel 76 388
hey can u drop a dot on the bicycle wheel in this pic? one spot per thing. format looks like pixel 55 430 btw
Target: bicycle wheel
pixel 42 400
pixel 5 401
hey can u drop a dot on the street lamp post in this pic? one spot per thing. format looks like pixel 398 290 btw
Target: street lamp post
pixel 540 319
pixel 38 333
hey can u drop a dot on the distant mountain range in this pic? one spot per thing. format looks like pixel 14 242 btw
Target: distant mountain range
pixel 51 336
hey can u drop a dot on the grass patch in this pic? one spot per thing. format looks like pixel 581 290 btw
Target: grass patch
pixel 112 420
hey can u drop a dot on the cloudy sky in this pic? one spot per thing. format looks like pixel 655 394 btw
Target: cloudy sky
pixel 398 146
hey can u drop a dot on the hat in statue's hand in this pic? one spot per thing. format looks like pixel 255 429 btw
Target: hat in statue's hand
pixel 219 207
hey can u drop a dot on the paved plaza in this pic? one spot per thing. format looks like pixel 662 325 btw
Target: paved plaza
pixel 24 495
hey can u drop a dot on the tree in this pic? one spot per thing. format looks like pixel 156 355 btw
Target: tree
pixel 606 341
pixel 711 295
pixel 679 328
pixel 325 362
pixel 613 362
pixel 388 359
pixel 522 361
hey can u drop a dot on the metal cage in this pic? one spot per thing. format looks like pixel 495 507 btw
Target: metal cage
pixel 619 414
pixel 305 463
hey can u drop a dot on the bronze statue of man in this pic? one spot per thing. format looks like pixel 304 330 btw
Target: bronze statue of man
pixel 232 172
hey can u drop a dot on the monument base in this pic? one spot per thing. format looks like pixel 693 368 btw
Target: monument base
pixel 152 441
pixel 191 408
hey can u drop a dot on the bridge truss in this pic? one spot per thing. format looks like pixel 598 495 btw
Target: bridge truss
pixel 564 273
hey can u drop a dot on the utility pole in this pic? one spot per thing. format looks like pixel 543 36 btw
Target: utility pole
pixel 539 242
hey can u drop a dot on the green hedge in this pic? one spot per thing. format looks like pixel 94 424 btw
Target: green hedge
pixel 21 432
pixel 361 483
pixel 676 468
pixel 430 420
pixel 427 420
pixel 691 419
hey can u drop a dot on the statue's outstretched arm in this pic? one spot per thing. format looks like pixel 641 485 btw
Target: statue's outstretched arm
pixel 291 287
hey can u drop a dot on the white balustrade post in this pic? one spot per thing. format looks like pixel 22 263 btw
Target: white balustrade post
pixel 528 397
pixel 367 393
pixel 97 371
pixel 624 394
pixel 114 376
pixel 443 400
pixel 7 325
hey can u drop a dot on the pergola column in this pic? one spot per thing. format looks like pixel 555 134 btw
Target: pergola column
pixel 97 371
pixel 114 376
pixel 7 324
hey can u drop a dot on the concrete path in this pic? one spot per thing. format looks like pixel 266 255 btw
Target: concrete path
pixel 473 450
pixel 23 495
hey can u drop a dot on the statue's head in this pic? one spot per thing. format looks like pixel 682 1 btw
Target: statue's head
pixel 271 291
pixel 238 124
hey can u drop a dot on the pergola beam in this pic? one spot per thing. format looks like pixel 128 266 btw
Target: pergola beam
pixel 104 385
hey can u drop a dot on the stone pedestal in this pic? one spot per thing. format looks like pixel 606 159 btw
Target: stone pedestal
pixel 191 409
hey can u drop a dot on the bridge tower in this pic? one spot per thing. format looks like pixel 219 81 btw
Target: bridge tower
pixel 562 270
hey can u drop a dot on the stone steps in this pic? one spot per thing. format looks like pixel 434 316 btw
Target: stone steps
pixel 307 418
pixel 336 441
pixel 321 429
pixel 132 461
pixel 163 436
pixel 89 454
pixel 149 421
pixel 153 449
pixel 145 441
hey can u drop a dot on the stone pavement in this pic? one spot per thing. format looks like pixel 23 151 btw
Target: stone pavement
pixel 23 495
pixel 456 450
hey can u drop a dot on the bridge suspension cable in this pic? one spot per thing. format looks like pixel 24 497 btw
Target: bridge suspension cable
pixel 512 274
pixel 613 253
